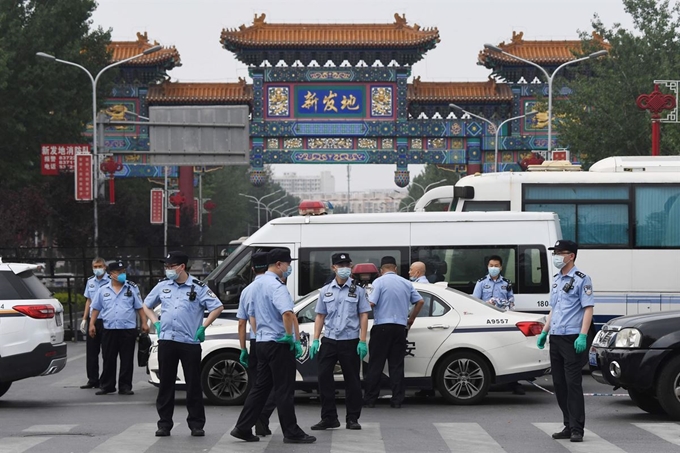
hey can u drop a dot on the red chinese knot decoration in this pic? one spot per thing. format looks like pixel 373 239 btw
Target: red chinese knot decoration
pixel 656 102
pixel 111 166
pixel 209 206
pixel 177 200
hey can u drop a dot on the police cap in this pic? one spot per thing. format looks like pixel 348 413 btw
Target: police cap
pixel 176 257
pixel 564 245
pixel 338 258
pixel 259 260
pixel 114 266
pixel 388 260
pixel 276 255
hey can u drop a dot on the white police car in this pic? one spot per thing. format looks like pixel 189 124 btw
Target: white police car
pixel 31 326
pixel 458 345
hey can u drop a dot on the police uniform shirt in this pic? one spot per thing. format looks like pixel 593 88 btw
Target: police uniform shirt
pixel 180 316
pixel 342 308
pixel 92 286
pixel 501 289
pixel 118 310
pixel 246 301
pixel 269 303
pixel 569 296
pixel 421 279
pixel 392 296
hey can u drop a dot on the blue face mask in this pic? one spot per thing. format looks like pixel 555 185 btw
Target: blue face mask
pixel 98 272
pixel 494 271
pixel 122 278
pixel 413 279
pixel 344 272
pixel 171 274
pixel 288 271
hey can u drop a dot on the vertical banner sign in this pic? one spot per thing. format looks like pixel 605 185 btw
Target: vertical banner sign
pixel 83 177
pixel 196 211
pixel 157 207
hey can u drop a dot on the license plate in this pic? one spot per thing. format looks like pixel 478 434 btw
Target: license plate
pixel 58 319
pixel 592 358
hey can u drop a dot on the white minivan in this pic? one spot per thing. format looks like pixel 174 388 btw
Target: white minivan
pixel 455 247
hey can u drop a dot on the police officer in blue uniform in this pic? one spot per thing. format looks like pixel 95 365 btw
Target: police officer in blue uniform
pixel 494 288
pixel 93 344
pixel 275 323
pixel 568 323
pixel 391 299
pixel 181 330
pixel 342 312
pixel 117 301
pixel 245 308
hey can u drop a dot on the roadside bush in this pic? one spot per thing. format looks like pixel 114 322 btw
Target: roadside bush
pixel 78 301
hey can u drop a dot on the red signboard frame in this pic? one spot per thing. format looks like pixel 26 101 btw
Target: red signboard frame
pixel 157 211
pixel 83 177
pixel 55 159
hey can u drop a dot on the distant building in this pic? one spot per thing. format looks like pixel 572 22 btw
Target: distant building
pixel 308 187
pixel 364 202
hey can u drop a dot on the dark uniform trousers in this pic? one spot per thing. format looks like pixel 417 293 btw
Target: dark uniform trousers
pixel 118 343
pixel 170 354
pixel 388 343
pixel 92 349
pixel 345 352
pixel 270 405
pixel 275 369
pixel 566 366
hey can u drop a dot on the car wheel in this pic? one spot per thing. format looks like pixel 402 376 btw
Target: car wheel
pixel 4 386
pixel 225 381
pixel 463 378
pixel 668 388
pixel 646 401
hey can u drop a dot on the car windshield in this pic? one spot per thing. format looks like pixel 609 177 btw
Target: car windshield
pixel 307 297
pixel 479 301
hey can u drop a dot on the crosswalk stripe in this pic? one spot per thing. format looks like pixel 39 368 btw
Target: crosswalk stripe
pixel 74 381
pixel 138 437
pixel 20 444
pixel 368 439
pixel 231 444
pixel 670 432
pixel 468 437
pixel 51 429
pixel 591 441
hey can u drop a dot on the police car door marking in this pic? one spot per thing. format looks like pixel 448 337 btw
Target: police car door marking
pixel 497 321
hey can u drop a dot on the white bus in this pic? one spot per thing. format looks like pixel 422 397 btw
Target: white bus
pixel 624 213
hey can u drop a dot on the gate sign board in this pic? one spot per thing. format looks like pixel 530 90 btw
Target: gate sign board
pixel 199 135
pixel 83 177
pixel 55 159
pixel 157 207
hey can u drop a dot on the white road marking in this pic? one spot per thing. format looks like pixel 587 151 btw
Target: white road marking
pixel 591 441
pixel 367 439
pixel 232 444
pixel 75 357
pixel 20 444
pixel 136 438
pixel 468 437
pixel 670 432
pixel 57 429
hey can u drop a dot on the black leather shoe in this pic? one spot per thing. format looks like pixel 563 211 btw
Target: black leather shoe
pixel 564 434
pixel 326 424
pixel 576 437
pixel 198 432
pixel 395 405
pixel 424 393
pixel 89 386
pixel 370 405
pixel 353 424
pixel 244 435
pixel 126 392
pixel 105 392
pixel 161 432
pixel 304 439
pixel 262 429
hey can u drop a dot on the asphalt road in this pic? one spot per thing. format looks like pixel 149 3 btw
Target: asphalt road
pixel 51 414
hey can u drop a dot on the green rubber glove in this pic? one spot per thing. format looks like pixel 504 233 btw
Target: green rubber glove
pixel 362 350
pixel 581 343
pixel 200 334
pixel 244 357
pixel 541 340
pixel 287 338
pixel 157 326
pixel 298 349
pixel 314 349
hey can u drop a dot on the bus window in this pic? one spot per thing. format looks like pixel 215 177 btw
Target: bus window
pixel 533 270
pixel 657 216
pixel 477 206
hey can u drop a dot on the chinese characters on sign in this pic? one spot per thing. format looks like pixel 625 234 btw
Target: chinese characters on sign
pixel 157 207
pixel 83 176
pixel 59 158
pixel 330 101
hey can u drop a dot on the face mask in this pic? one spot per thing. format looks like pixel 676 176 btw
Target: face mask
pixel 288 271
pixel 494 271
pixel 122 278
pixel 344 272
pixel 98 272
pixel 413 279
pixel 171 274
pixel 558 261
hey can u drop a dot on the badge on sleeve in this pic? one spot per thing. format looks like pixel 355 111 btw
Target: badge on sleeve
pixel 211 294
pixel 588 290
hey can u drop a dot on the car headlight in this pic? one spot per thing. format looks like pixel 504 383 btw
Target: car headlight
pixel 628 338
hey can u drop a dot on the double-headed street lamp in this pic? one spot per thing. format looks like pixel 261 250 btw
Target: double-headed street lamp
pixel 549 77
pixel 425 189
pixel 94 80
pixel 497 127
pixel 259 203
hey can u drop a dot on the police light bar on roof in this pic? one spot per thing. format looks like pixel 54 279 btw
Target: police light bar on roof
pixel 312 207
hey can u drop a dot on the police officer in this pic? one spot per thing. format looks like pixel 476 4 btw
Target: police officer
pixel 181 330
pixel 416 272
pixel 494 288
pixel 117 301
pixel 342 311
pixel 275 321
pixel 568 323
pixel 391 299
pixel 245 308
pixel 93 344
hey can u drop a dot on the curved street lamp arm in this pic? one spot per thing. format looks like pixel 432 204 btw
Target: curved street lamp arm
pixel 472 114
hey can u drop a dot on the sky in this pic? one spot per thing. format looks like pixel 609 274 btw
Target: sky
pixel 194 27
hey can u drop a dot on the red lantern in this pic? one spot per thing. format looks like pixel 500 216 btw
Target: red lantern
pixel 111 166
pixel 209 206
pixel 177 200
pixel 656 102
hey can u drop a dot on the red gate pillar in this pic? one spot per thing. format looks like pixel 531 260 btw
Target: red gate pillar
pixel 186 186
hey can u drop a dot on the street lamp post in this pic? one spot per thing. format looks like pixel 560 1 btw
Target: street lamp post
pixel 95 159
pixel 259 203
pixel 425 189
pixel 498 129
pixel 289 212
pixel 549 77
pixel 267 210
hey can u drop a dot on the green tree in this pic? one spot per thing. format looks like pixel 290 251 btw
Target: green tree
pixel 601 116
pixel 432 174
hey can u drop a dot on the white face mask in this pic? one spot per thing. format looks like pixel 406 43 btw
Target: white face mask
pixel 98 272
pixel 494 271
pixel 558 261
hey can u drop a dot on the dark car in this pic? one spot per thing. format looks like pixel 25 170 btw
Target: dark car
pixel 641 353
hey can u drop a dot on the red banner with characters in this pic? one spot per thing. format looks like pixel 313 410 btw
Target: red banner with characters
pixel 83 177
pixel 157 207
pixel 55 159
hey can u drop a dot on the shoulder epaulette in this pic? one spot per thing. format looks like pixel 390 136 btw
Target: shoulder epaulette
pixel 198 282
pixel 133 284
pixel 580 274
pixel 481 279
pixel 507 280
pixel 90 278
